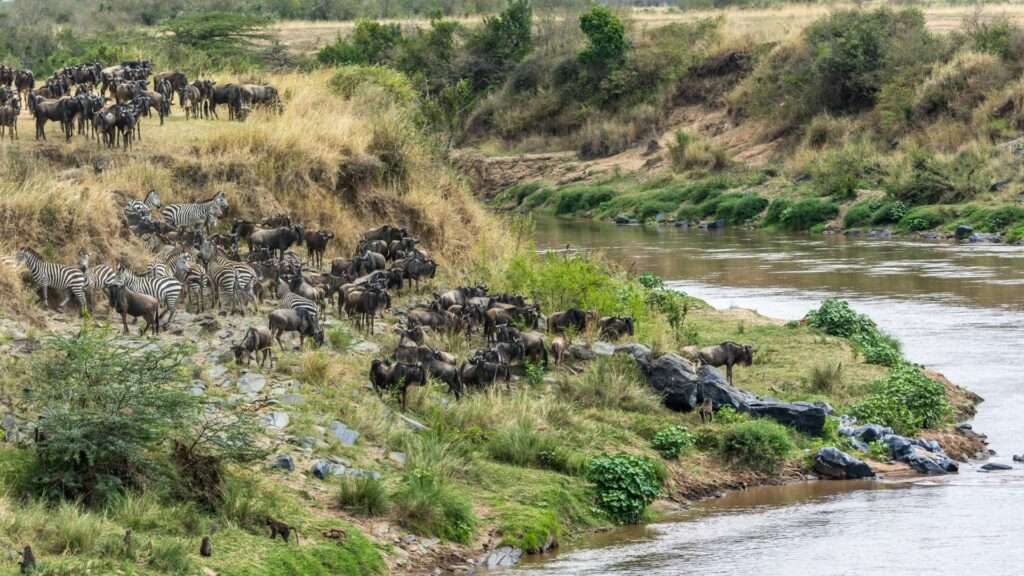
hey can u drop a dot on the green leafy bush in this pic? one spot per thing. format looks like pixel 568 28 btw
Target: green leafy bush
pixel 836 318
pixel 672 441
pixel 840 173
pixel 760 445
pixel 800 214
pixel 371 42
pixel 581 199
pixel 109 410
pixel 906 400
pixel 625 484
pixel 350 81
pixel 739 208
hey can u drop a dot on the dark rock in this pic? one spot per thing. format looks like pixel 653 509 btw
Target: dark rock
pixel 284 462
pixel 1018 457
pixel 963 232
pixel 602 348
pixel 579 352
pixel 838 465
pixel 713 225
pixel 994 467
pixel 919 455
pixel 623 219
pixel 682 386
pixel 803 416
pixel 867 433
pixel 998 185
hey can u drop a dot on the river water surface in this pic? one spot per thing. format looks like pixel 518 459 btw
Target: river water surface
pixel 958 309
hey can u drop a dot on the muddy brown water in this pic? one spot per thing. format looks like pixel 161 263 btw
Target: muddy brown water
pixel 957 308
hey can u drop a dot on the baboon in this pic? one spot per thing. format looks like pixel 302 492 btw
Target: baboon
pixel 28 560
pixel 206 549
pixel 278 527
pixel 707 411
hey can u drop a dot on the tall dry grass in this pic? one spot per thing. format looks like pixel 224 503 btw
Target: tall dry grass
pixel 343 165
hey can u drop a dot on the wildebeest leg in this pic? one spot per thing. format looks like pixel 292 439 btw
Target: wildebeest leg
pixel 124 322
pixel 728 372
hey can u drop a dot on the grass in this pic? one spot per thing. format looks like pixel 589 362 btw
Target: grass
pixel 364 496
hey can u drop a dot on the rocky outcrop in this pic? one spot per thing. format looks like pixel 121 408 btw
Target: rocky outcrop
pixel 683 387
pixel 838 465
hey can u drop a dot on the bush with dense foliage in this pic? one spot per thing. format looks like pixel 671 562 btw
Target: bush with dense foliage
pixel 801 213
pixel 672 441
pixel 760 445
pixel 625 485
pixel 836 318
pixel 906 400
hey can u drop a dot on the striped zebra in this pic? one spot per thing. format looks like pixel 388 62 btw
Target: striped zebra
pixel 68 279
pixel 136 210
pixel 193 214
pixel 97 278
pixel 295 301
pixel 236 280
pixel 167 290
pixel 194 278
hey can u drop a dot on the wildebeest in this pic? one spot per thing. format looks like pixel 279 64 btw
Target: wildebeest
pixel 482 370
pixel 727 354
pixel 384 377
pixel 177 81
pixel 24 82
pixel 446 372
pixel 46 110
pixel 706 410
pixel 256 342
pixel 368 262
pixel 134 304
pixel 573 318
pixel 559 346
pixel 9 117
pixel 316 245
pixel 615 327
pixel 291 320
pixel 276 240
pixel 459 296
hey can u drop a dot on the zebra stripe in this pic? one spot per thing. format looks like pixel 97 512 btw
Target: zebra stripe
pixel 166 290
pixel 236 280
pixel 46 275
pixel 189 215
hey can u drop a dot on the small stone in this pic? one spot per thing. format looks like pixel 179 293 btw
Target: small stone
pixel 277 420
pixel 251 383
pixel 503 557
pixel 343 433
pixel 198 389
pixel 292 400
pixel 9 422
pixel 414 424
pixel 323 469
pixel 284 462
pixel 995 467
pixel 397 457
pixel 365 347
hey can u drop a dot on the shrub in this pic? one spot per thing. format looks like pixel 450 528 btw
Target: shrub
pixel 860 213
pixel 578 199
pixel 958 87
pixel 352 81
pixel 827 377
pixel 840 173
pixel 906 399
pixel 688 153
pixel 760 445
pixel 931 180
pixel 888 212
pixel 363 495
pixel 606 38
pixel 924 218
pixel 610 383
pixel 427 505
pixel 371 43
pixel 740 208
pixel 109 410
pixel 625 484
pixel 836 318
pixel 672 441
pixel 801 214
pixel 499 44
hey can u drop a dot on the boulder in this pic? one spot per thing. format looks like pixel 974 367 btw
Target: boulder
pixel 681 385
pixel 867 433
pixel 963 232
pixel 1018 457
pixel 580 352
pixel 918 454
pixel 343 433
pixel 293 400
pixel 838 465
pixel 603 349
pixel 803 416
pixel 217 371
pixel 398 458
pixel 638 352
pixel 503 557
pixel 995 467
pixel 324 469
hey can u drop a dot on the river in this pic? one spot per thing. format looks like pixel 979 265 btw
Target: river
pixel 958 309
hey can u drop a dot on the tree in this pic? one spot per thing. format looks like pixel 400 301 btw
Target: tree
pixel 371 43
pixel 448 111
pixel 606 36
pixel 499 44
pixel 106 408
pixel 217 32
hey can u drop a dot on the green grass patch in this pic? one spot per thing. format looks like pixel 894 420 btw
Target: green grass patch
pixel 760 445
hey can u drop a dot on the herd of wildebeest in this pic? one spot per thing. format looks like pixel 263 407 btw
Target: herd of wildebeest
pixel 233 271
pixel 107 103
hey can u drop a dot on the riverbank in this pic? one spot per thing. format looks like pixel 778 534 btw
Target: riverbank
pixel 518 458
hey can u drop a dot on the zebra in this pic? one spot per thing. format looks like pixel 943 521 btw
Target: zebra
pixel 167 290
pixel 297 302
pixel 193 277
pixel 67 279
pixel 140 210
pixel 96 277
pixel 193 214
pixel 235 279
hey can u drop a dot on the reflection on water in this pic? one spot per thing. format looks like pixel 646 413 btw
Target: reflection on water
pixel 956 308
